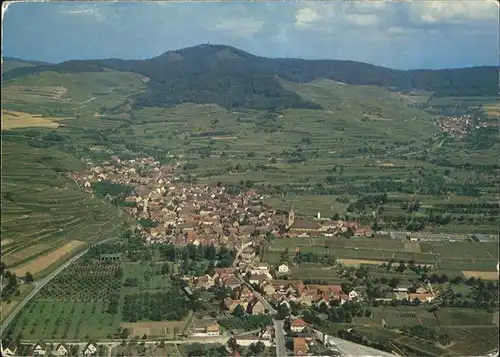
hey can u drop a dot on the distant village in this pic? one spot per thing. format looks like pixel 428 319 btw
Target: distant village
pixel 460 126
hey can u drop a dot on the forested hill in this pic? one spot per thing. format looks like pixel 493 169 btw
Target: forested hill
pixel 9 63
pixel 234 78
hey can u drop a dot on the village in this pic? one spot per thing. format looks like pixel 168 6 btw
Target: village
pixel 173 212
pixel 460 126
pixel 183 213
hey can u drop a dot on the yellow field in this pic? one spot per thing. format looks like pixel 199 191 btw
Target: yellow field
pixel 12 258
pixel 492 110
pixel 42 263
pixel 12 120
pixel 486 275
pixel 412 247
pixel 357 262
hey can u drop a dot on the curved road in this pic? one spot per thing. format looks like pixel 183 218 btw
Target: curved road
pixel 40 284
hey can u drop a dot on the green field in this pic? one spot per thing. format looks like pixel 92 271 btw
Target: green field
pixel 466 339
pixel 471 256
pixel 315 272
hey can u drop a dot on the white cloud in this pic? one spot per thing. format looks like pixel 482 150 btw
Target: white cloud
pixel 91 11
pixel 243 28
pixel 444 12
pixel 305 16
pixel 362 19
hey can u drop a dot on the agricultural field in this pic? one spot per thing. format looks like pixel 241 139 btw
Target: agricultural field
pixel 76 303
pixel 96 296
pixel 315 272
pixel 466 259
pixel 394 317
pixel 466 338
pixel 12 120
pixel 366 140
pixel 472 341
pixel 46 217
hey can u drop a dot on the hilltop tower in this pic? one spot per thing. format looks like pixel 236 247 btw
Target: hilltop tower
pixel 291 217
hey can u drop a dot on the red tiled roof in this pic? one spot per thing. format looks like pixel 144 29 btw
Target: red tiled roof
pixel 299 323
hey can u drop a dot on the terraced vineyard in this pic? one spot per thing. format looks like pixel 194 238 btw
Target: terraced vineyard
pixel 44 212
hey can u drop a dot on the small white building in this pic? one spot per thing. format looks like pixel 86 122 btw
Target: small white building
pixel 246 341
pixel 61 350
pixel 353 295
pixel 212 330
pixel 90 350
pixel 283 269
pixel 39 350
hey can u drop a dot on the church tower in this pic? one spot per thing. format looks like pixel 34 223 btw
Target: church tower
pixel 291 217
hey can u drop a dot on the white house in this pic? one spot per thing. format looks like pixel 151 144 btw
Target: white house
pixel 353 295
pixel 90 349
pixel 267 334
pixel 283 269
pixel 10 350
pixel 39 350
pixel 212 330
pixel 61 350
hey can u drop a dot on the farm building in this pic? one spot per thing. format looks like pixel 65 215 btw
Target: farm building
pixel 248 340
pixel 484 238
pixel 438 237
pixel 206 327
pixel 400 235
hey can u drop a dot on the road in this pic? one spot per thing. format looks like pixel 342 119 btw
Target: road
pixel 40 284
pixel 279 338
pixel 278 324
pixel 187 340
pixel 351 349
pixel 240 251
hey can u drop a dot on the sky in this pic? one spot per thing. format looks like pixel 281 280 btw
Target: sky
pixel 402 35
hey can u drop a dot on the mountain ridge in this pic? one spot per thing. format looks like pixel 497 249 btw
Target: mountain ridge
pixel 232 77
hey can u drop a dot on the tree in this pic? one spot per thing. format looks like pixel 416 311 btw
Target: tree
pixel 283 312
pixel 29 277
pixel 165 268
pixel 232 344
pixel 393 282
pixel 239 311
pixel 257 348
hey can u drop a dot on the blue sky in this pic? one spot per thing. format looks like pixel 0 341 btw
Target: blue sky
pixel 419 34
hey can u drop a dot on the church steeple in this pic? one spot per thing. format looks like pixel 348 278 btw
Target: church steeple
pixel 291 217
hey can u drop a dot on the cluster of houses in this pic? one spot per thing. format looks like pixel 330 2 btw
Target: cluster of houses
pixel 460 126
pixel 262 277
pixel 185 213
pixel 41 349
pixel 421 294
